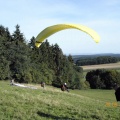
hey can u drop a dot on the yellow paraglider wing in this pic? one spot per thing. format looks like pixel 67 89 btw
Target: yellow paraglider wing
pixel 56 28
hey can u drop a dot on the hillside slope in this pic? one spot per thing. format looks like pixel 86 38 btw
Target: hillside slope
pixel 51 103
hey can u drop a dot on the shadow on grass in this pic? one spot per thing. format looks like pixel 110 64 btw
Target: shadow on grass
pixel 52 116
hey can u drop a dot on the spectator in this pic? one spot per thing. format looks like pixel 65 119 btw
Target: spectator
pixel 12 82
pixel 117 91
pixel 43 84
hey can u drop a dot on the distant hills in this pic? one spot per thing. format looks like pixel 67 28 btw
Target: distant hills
pixel 77 57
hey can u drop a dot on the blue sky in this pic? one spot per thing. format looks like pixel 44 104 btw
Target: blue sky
pixel 34 15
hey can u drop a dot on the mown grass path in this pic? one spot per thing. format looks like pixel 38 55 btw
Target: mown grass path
pixel 18 103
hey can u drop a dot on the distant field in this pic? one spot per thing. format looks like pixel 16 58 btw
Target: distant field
pixel 102 66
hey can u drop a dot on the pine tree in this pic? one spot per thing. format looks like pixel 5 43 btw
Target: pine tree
pixel 17 35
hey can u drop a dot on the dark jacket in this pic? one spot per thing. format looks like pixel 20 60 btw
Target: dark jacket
pixel 117 94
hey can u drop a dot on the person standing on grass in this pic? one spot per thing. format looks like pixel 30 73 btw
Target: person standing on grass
pixel 43 84
pixel 12 82
pixel 117 92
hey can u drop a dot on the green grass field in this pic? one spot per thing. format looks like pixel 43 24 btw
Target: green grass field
pixel 18 103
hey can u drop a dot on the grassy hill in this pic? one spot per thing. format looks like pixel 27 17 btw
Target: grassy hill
pixel 18 103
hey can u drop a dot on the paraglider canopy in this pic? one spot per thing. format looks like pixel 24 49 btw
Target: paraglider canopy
pixel 56 28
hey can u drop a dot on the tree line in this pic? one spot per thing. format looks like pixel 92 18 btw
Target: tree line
pixel 102 78
pixel 26 63
pixel 97 60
